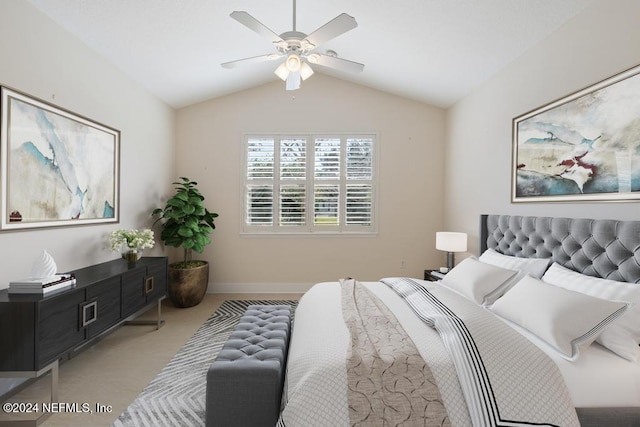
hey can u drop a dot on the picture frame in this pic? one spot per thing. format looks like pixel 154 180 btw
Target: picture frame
pixel 584 147
pixel 57 168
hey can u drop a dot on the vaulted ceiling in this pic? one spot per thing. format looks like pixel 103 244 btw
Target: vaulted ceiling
pixel 433 51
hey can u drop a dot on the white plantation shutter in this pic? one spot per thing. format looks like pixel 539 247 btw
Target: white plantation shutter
pixel 326 205
pixel 327 158
pixel 293 158
pixel 259 178
pixel 326 188
pixel 260 157
pixel 359 200
pixel 359 187
pixel 309 184
pixel 292 194
pixel 293 205
pixel 260 204
pixel 359 158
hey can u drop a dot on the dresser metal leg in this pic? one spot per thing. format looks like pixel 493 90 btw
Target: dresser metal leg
pixel 159 322
pixel 53 368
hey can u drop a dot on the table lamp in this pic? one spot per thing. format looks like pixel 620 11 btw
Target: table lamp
pixel 451 242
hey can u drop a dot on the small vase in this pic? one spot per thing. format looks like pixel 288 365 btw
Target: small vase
pixel 131 255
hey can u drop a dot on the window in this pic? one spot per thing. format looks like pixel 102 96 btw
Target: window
pixel 309 183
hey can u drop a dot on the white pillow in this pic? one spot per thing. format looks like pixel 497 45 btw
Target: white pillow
pixel 623 336
pixel 564 319
pixel 535 267
pixel 476 280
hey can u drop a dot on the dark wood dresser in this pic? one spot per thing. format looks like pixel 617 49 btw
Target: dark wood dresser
pixel 37 331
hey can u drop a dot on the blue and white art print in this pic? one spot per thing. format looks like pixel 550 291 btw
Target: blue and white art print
pixel 584 147
pixel 58 168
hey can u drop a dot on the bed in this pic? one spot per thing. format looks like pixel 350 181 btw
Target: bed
pixel 553 342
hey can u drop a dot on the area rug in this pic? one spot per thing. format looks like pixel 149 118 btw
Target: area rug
pixel 176 397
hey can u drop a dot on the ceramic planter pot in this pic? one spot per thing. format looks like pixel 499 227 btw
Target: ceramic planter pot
pixel 187 286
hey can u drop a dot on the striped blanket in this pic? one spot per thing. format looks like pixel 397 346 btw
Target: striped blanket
pixel 506 380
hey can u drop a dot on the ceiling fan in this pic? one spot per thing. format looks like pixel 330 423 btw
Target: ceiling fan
pixel 298 48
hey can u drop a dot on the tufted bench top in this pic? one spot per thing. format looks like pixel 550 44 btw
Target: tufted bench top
pixel 245 382
pixel 261 334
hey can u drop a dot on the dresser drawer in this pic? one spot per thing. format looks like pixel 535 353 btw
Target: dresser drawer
pixel 59 326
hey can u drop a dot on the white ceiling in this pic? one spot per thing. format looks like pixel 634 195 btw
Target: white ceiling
pixel 434 51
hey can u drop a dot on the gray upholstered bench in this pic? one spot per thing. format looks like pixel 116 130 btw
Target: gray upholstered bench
pixel 245 382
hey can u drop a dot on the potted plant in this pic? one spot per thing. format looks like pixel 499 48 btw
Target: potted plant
pixel 186 223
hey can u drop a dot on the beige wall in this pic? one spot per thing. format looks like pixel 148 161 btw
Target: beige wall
pixel 411 138
pixel 42 60
pixel 600 42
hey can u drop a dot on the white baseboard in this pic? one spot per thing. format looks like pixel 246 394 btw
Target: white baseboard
pixel 258 288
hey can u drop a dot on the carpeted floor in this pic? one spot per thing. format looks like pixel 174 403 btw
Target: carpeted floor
pixel 176 397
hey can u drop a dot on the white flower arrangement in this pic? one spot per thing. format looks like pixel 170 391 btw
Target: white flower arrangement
pixel 134 239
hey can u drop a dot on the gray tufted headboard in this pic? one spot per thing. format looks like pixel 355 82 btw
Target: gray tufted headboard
pixel 596 247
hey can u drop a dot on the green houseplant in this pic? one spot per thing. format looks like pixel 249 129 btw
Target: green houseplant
pixel 186 223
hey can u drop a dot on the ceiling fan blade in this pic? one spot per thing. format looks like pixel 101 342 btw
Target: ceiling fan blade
pixel 336 63
pixel 254 25
pixel 252 60
pixel 338 25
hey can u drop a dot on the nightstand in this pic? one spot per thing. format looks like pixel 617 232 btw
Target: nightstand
pixel 433 275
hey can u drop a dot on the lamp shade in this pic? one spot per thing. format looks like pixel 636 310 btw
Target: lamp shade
pixel 282 71
pixel 293 63
pixel 451 241
pixel 305 71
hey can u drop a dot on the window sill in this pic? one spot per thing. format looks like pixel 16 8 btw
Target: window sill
pixel 367 234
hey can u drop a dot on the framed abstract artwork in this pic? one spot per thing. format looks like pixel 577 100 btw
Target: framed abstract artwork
pixel 57 168
pixel 582 148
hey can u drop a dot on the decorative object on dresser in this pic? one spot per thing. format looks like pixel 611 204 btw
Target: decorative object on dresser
pixel 451 242
pixel 186 223
pixel 37 331
pixel 57 168
pixel 44 265
pixel 131 243
pixel 44 286
pixel 583 147
pixel 44 278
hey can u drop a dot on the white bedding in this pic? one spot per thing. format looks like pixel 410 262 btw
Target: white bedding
pixel 319 333
pixel 598 378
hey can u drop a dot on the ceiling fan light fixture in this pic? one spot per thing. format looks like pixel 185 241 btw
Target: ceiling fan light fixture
pixel 282 72
pixel 293 81
pixel 305 71
pixel 293 63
